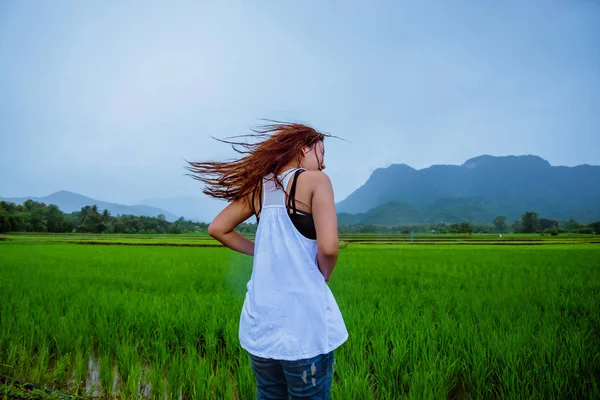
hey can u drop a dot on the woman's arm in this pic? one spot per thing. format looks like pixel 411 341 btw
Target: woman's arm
pixel 323 211
pixel 222 227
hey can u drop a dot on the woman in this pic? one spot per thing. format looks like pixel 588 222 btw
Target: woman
pixel 290 323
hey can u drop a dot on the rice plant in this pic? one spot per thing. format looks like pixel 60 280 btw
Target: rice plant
pixel 439 321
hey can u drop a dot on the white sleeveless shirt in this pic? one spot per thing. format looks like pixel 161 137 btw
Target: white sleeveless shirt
pixel 289 312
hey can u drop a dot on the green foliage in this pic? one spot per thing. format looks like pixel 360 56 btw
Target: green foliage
pixel 500 223
pixel 463 227
pixel 551 231
pixel 570 226
pixel 505 322
pixel 246 228
pixel 588 230
pixel 9 391
pixel 529 222
pixel 595 227
pixel 34 216
pixel 545 224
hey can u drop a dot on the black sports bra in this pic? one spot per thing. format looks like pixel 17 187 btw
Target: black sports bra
pixel 303 221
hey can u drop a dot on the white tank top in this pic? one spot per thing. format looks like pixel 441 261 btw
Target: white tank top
pixel 289 312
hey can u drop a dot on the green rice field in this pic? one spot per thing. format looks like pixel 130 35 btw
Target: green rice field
pixel 443 317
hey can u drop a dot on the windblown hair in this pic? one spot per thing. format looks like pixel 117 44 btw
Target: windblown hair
pixel 279 143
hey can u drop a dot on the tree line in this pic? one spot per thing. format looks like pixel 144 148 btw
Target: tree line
pixel 33 216
pixel 528 223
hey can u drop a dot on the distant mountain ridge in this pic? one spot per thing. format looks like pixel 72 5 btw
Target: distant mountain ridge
pixel 69 202
pixel 476 191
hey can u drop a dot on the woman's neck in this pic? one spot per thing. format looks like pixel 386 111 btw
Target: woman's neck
pixel 288 167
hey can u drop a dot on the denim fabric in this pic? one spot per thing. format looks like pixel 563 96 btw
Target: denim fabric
pixel 310 378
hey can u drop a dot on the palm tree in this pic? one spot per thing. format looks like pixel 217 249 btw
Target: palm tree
pixel 91 220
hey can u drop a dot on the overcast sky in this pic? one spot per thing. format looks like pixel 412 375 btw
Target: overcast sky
pixel 107 98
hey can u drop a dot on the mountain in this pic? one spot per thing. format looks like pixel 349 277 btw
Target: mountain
pixel 69 202
pixel 449 210
pixel 477 191
pixel 198 208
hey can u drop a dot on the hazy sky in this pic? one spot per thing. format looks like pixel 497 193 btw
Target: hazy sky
pixel 107 98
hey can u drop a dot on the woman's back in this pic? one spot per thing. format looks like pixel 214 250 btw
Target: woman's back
pixel 289 312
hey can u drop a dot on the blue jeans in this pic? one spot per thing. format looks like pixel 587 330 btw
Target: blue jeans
pixel 309 378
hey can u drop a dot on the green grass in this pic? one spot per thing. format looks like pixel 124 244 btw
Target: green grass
pixel 115 239
pixel 203 240
pixel 424 321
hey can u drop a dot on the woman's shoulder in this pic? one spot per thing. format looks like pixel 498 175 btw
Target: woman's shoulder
pixel 315 178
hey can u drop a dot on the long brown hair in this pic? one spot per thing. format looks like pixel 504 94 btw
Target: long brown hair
pixel 279 143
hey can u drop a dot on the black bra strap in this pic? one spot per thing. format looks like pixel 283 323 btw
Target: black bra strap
pixel 292 196
pixel 257 213
pixel 260 196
